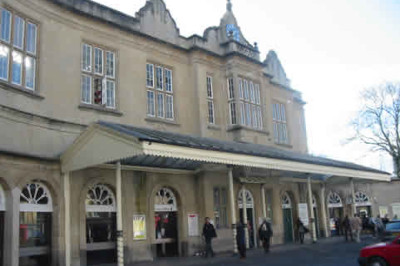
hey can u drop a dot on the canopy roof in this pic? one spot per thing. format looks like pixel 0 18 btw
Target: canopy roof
pixel 105 142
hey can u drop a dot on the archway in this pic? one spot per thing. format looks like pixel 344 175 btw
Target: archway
pixel 101 211
pixel 2 213
pixel 335 207
pixel 36 209
pixel 363 204
pixel 166 223
pixel 250 215
pixel 287 217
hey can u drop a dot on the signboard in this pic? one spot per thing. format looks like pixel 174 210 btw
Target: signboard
pixel 139 227
pixel 396 210
pixel 165 208
pixel 383 211
pixel 303 213
pixel 193 224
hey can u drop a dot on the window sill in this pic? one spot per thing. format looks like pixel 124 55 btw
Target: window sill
pixel 284 145
pixel 90 107
pixel 213 127
pixel 160 120
pixel 21 90
pixel 241 127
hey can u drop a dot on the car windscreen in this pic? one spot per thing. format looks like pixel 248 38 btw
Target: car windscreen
pixel 393 226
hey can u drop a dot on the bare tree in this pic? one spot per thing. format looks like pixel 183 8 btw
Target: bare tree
pixel 377 123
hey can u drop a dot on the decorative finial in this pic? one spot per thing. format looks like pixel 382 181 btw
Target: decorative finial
pixel 229 6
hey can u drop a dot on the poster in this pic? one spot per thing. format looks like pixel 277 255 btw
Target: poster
pixel 303 213
pixel 193 224
pixel 139 227
pixel 396 211
pixel 383 210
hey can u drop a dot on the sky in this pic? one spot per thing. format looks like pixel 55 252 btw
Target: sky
pixel 330 49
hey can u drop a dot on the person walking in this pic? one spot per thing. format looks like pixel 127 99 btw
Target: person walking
pixel 241 240
pixel 301 229
pixel 347 228
pixel 265 233
pixel 209 233
pixel 355 225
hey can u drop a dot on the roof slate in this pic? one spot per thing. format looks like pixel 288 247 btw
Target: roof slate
pixel 146 134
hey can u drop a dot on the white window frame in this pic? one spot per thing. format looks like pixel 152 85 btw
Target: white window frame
pixel 210 100
pixel 153 109
pixel 160 111
pixel 152 75
pixel 113 64
pixel 23 32
pixel 84 59
pixel 20 68
pixel 102 61
pixel 210 108
pixel 10 23
pixel 170 96
pixel 279 121
pixel 27 36
pixel 167 89
pixel 34 207
pixel 159 80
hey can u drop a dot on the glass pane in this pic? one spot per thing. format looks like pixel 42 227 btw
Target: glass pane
pixel 216 199
pixel 110 94
pixel 160 105
pixel 232 107
pixel 30 72
pixel 149 75
pixel 35 229
pixel 242 114
pixel 210 112
pixel 110 64
pixel 87 58
pixel 260 121
pixel 4 54
pixel 252 96
pixel 170 107
pixel 278 112
pixel 19 26
pixel 86 88
pixel 5 25
pixel 150 103
pixel 209 87
pixel 98 61
pixel 240 89
pixel 100 227
pixel 231 89
pixel 258 97
pixel 246 90
pixel 16 68
pixel 159 78
pixel 168 80
pixel 283 113
pixel 248 114
pixel 254 112
pixel 31 38
pixel 276 136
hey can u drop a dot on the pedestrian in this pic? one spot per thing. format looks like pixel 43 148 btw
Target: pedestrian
pixel 385 220
pixel 265 233
pixel 241 240
pixel 301 229
pixel 209 233
pixel 347 228
pixel 356 225
pixel 337 226
pixel 379 227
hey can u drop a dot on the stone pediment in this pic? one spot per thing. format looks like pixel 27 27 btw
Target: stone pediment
pixel 156 20
pixel 274 68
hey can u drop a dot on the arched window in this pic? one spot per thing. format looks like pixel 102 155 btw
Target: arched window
pixel 165 201
pixel 334 200
pixel 361 199
pixel 35 225
pixel 35 197
pixel 286 201
pixel 2 199
pixel 249 199
pixel 100 198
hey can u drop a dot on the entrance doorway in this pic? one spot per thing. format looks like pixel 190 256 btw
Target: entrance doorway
pixel 100 225
pixel 251 227
pixel 35 226
pixel 335 207
pixel 166 223
pixel 287 218
pixel 363 204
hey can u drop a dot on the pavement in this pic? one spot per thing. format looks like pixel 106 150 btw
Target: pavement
pixel 326 252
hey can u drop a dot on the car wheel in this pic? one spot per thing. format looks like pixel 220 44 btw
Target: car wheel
pixel 377 261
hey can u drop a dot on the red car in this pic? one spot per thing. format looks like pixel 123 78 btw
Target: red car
pixel 381 254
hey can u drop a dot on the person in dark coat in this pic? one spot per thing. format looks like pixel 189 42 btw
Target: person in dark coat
pixel 301 229
pixel 265 233
pixel 241 240
pixel 209 233
pixel 347 228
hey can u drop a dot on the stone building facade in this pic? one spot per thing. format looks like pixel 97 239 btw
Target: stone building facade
pixel 119 136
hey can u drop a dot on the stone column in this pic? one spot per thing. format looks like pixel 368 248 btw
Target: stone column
pixel 323 211
pixel 120 237
pixel 264 207
pixel 353 198
pixel 244 211
pixel 233 209
pixel 67 218
pixel 311 211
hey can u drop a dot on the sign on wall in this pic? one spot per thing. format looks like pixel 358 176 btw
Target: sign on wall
pixel 383 210
pixel 396 210
pixel 193 224
pixel 139 227
pixel 303 213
